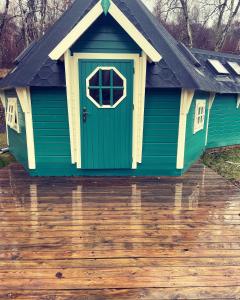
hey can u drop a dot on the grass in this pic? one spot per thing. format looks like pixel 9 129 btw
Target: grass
pixel 3 140
pixel 224 162
pixel 6 158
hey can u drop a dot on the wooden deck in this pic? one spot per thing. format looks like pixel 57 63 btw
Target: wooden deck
pixel 119 238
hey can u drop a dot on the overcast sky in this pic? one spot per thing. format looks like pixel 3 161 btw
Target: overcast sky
pixel 149 3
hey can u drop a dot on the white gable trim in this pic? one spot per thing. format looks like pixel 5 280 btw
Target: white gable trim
pixel 76 32
pixel 73 95
pixel 142 91
pixel 186 101
pixel 68 60
pixel 88 20
pixel 134 33
pixel 25 101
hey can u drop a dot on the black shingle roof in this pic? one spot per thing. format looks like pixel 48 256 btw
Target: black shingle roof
pixel 176 69
pixel 227 84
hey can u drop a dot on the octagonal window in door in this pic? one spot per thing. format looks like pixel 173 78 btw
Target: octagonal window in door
pixel 106 87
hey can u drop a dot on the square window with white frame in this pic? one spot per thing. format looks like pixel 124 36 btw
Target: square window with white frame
pixel 200 112
pixel 12 114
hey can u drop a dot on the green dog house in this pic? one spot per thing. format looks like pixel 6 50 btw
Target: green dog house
pixel 109 92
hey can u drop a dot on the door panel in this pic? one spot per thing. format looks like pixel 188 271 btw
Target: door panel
pixel 106 113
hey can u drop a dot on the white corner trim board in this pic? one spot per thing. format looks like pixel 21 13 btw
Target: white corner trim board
pixel 70 101
pixel 73 95
pixel 186 101
pixel 238 101
pixel 89 19
pixel 25 101
pixel 136 110
pixel 210 104
pixel 142 91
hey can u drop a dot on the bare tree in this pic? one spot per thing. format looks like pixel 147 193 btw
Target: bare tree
pixel 208 21
pixel 176 9
pixel 186 15
pixel 3 16
pixel 227 11
pixel 208 24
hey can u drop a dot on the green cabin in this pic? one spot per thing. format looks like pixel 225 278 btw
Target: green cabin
pixel 109 92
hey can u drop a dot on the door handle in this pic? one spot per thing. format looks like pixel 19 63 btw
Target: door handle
pixel 85 114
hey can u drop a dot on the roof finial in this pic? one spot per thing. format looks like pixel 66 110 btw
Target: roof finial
pixel 105 5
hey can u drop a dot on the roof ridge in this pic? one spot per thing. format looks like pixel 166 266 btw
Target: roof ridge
pixel 216 53
pixel 188 75
pixel 193 81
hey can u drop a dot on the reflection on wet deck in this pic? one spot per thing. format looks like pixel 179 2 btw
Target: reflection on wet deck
pixel 119 238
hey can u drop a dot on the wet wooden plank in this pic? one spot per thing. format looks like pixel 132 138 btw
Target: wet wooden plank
pixel 119 281
pixel 121 238
pixel 193 293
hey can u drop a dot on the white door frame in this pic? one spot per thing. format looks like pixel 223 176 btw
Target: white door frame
pixel 73 96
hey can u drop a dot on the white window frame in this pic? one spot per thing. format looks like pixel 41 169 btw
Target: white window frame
pixel 234 66
pixel 218 66
pixel 12 114
pixel 124 87
pixel 199 119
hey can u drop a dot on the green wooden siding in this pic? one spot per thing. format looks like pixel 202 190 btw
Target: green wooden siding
pixel 224 122
pixel 17 141
pixel 51 131
pixel 106 134
pixel 53 144
pixel 161 131
pixel 105 36
pixel 161 121
pixel 195 143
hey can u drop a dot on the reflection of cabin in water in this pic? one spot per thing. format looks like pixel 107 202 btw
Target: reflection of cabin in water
pixel 108 91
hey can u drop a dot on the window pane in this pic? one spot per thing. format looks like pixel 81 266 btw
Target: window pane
pixel 94 93
pixel 106 87
pixel 117 81
pixel 218 66
pixel 106 77
pixel 106 93
pixel 94 81
pixel 117 94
